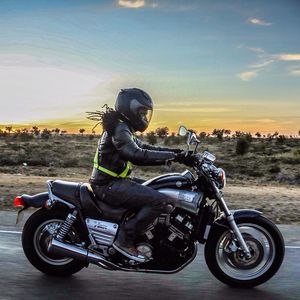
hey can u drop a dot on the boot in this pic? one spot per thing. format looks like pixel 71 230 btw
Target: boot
pixel 125 245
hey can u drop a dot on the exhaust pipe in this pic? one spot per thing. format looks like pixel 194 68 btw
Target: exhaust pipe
pixel 57 247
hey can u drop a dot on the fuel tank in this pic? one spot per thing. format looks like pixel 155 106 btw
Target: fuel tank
pixel 188 200
pixel 178 187
pixel 172 180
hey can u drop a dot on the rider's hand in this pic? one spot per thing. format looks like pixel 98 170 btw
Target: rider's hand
pixel 185 157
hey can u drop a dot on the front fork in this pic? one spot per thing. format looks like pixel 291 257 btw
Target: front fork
pixel 232 223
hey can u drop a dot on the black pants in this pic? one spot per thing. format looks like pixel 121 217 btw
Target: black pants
pixel 147 202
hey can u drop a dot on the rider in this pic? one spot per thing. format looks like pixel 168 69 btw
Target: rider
pixel 118 148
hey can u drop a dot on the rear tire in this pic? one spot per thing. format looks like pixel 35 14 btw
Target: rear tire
pixel 35 239
pixel 266 244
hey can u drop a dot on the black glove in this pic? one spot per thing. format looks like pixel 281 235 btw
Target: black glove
pixel 185 157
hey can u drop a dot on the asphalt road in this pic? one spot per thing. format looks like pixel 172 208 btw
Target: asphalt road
pixel 20 280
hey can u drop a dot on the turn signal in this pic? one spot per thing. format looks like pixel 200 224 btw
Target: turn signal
pixel 19 201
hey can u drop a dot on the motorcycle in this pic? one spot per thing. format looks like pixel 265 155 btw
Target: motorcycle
pixel 71 229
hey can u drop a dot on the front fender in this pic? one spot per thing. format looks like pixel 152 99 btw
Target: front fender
pixel 222 222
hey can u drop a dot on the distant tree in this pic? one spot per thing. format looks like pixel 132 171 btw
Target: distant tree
pixel 218 133
pixel 227 132
pixel 63 132
pixel 35 130
pixel 280 139
pixel 8 129
pixel 81 130
pixel 248 136
pixel 56 131
pixel 202 135
pixel 258 135
pixel 238 133
pixel 299 132
pixel 275 134
pixel 162 131
pixel 151 137
pixel 46 133
pixel 24 131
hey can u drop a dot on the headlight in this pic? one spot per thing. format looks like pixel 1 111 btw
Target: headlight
pixel 221 178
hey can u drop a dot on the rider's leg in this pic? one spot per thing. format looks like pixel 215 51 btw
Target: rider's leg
pixel 148 202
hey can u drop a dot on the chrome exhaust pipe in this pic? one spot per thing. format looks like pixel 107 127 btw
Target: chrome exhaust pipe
pixel 61 248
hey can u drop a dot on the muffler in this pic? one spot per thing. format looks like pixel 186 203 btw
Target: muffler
pixel 61 248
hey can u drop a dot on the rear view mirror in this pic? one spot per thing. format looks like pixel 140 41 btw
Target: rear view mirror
pixel 182 131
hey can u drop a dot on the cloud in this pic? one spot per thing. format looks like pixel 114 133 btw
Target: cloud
pixel 260 22
pixel 295 72
pixel 264 60
pixel 248 75
pixel 288 57
pixel 131 3
pixel 262 64
pixel 136 4
pixel 266 121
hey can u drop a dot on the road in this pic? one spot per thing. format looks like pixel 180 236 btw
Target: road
pixel 20 280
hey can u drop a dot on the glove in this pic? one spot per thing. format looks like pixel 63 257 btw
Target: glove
pixel 185 158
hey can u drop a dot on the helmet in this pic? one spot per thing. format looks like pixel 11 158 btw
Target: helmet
pixel 136 107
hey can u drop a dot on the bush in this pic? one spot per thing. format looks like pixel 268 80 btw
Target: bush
pixel 242 146
pixel 274 169
pixel 151 138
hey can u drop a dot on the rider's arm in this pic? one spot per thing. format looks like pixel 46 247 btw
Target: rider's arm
pixel 130 150
pixel 156 148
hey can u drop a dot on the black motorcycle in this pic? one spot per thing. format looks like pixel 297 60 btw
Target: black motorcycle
pixel 72 229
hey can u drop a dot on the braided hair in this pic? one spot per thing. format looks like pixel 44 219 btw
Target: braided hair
pixel 109 118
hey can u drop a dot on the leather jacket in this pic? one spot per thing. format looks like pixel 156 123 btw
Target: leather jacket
pixel 115 150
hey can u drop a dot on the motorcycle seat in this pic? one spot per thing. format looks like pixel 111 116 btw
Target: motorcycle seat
pixel 67 190
pixel 108 212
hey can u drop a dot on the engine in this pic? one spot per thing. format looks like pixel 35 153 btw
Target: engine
pixel 169 237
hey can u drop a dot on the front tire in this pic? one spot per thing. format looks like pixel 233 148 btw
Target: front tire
pixel 36 235
pixel 231 267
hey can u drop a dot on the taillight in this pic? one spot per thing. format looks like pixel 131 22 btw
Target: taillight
pixel 19 201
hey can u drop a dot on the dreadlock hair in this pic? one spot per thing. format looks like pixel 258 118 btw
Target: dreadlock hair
pixel 109 118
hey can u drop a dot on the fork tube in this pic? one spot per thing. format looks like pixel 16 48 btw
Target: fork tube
pixel 232 222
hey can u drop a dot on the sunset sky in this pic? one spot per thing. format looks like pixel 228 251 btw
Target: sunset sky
pixel 207 64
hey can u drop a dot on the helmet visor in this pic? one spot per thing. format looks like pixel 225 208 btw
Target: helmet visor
pixel 145 114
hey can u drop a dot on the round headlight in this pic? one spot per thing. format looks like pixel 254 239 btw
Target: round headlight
pixel 222 178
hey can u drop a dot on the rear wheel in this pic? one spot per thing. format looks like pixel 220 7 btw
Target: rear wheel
pixel 229 264
pixel 37 233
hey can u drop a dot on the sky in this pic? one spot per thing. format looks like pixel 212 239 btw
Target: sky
pixel 206 64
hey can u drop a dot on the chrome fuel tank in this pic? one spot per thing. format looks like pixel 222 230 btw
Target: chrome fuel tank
pixel 187 200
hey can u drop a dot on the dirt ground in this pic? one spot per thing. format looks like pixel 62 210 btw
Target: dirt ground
pixel 280 203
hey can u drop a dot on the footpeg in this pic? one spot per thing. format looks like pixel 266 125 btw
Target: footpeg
pixel 139 258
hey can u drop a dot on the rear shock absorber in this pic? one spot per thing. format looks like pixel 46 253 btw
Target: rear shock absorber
pixel 66 226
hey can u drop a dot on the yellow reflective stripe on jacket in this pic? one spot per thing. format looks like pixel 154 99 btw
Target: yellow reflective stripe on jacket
pixel 109 172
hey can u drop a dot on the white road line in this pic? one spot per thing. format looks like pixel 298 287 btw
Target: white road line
pixel 20 232
pixel 10 231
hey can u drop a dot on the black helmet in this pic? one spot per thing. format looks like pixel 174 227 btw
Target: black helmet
pixel 136 106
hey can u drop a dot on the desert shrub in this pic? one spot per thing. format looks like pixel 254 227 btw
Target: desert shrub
pixel 242 146
pixel 151 137
pixel 280 139
pixel 274 169
pixel 70 163
pixel 260 147
pixel 172 140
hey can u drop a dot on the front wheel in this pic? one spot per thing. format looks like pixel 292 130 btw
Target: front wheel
pixel 227 261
